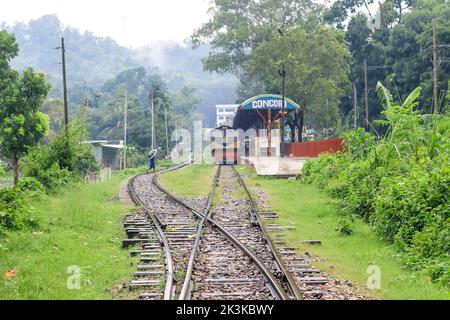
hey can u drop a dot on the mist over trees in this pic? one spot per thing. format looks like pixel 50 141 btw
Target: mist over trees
pixel 92 61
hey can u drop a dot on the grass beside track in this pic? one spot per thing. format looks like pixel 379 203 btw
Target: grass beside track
pixel 80 227
pixel 346 257
pixel 192 181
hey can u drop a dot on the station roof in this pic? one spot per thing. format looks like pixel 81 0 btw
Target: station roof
pixel 252 109
pixel 268 101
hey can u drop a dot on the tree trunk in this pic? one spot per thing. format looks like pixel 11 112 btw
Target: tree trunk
pixel 16 172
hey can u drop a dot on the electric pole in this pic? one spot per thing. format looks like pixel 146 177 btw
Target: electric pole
pixel 167 131
pixel 366 95
pixel 283 76
pixel 66 112
pixel 435 70
pixel 152 96
pixel 355 107
pixel 125 119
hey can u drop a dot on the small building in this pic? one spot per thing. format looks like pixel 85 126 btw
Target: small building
pixel 262 114
pixel 225 114
pixel 107 153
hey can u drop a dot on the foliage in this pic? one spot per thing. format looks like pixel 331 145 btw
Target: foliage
pixel 76 227
pixel 64 158
pixel 400 184
pixel 397 49
pixel 236 27
pixel 22 126
pixel 344 227
pixel 91 61
pixel 317 70
pixel 15 213
pixel 358 143
pixel 106 120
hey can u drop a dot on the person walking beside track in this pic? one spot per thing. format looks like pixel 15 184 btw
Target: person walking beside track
pixel 151 159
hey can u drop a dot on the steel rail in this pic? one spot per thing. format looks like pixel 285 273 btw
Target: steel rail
pixel 274 284
pixel 289 280
pixel 186 290
pixel 168 291
pixel 170 274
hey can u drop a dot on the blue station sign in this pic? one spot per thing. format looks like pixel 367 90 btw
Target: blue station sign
pixel 268 101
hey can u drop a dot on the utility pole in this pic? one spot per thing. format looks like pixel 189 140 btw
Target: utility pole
pixel 125 119
pixel 283 76
pixel 282 73
pixel 355 107
pixel 66 112
pixel 167 131
pixel 152 96
pixel 366 95
pixel 435 70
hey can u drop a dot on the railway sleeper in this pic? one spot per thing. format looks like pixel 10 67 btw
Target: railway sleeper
pixel 231 281
pixel 228 294
pixel 150 266
pixel 132 242
pixel 151 295
pixel 144 252
pixel 148 273
pixel 138 284
pixel 314 280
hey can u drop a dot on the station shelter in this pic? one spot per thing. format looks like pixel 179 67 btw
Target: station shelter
pixel 263 114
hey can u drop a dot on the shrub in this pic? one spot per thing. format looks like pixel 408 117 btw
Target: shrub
pixel 63 159
pixel 344 227
pixel 399 184
pixel 358 143
pixel 14 212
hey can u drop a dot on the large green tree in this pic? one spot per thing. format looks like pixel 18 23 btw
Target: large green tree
pixel 22 126
pixel 236 27
pixel 317 70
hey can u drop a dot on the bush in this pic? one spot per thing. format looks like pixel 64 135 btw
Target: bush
pixel 344 227
pixel 14 212
pixel 62 160
pixel 399 184
pixel 358 143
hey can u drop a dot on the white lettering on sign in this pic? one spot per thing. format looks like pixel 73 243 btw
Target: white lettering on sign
pixel 258 104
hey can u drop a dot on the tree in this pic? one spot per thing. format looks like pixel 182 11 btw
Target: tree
pixel 236 27
pixel 317 71
pixel 22 126
pixel 409 49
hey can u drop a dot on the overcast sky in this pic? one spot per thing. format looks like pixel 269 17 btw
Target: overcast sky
pixel 131 23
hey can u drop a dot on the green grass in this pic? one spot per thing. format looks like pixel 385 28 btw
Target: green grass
pixel 80 227
pixel 346 257
pixel 192 181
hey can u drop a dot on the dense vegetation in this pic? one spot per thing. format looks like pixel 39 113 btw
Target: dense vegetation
pixel 93 60
pixel 399 184
pixel 396 45
pixel 47 169
pixel 22 126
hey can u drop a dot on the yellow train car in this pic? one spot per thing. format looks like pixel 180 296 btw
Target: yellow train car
pixel 224 147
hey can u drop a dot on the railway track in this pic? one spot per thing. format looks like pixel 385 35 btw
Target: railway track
pixel 211 254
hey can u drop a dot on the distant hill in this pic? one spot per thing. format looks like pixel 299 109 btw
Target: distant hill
pixel 92 60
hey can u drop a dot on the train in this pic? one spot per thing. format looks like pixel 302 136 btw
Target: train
pixel 224 147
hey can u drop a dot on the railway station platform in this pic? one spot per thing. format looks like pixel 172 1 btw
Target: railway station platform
pixel 276 166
